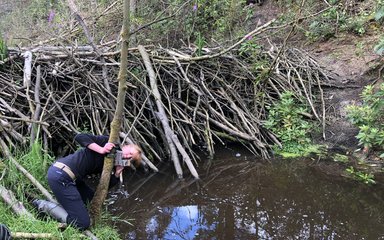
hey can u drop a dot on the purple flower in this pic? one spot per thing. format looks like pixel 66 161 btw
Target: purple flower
pixel 51 16
pixel 194 7
pixel 249 37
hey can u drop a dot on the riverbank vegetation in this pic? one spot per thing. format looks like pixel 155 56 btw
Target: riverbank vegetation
pixel 26 223
pixel 223 70
pixel 369 118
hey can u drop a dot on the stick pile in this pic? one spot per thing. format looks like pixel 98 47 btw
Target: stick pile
pixel 52 92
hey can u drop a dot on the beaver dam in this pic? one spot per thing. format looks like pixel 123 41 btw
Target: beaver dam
pixel 175 100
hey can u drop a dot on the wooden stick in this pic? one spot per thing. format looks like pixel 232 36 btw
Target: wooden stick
pixel 36 115
pixel 33 180
pixel 26 235
pixel 17 206
pixel 162 116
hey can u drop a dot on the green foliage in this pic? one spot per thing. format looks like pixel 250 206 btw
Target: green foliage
pixel 209 15
pixel 33 20
pixel 356 24
pixel 103 230
pixel 211 18
pixel 251 52
pixel 25 224
pixel 36 161
pixel 200 42
pixel 369 117
pixel 336 19
pixel 367 178
pixel 379 48
pixel 379 15
pixel 325 25
pixel 47 225
pixel 249 48
pixel 192 22
pixel 344 18
pixel 340 158
pixel 296 151
pixel 379 12
pixel 286 121
pixel 3 49
pixel 359 51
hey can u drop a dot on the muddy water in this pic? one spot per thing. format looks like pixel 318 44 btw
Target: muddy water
pixel 240 198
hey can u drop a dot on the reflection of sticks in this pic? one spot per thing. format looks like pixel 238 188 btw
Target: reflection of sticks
pixel 173 190
pixel 140 185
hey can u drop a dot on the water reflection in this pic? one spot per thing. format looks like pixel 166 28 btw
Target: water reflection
pixel 246 200
pixel 185 223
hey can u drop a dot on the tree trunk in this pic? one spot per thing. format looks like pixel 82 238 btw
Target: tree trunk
pixel 102 188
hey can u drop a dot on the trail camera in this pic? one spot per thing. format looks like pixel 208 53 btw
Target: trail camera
pixel 119 159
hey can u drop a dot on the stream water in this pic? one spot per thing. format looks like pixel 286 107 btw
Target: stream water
pixel 238 197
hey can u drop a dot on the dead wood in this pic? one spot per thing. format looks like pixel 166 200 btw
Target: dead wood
pixel 173 142
pixel 220 96
pixel 25 235
pixel 17 206
pixel 33 180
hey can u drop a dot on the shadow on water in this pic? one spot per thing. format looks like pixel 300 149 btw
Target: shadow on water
pixel 241 198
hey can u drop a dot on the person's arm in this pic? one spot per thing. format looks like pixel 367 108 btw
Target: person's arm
pixel 99 149
pixel 115 178
pixel 95 143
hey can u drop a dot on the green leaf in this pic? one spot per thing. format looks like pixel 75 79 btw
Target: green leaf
pixel 379 14
pixel 379 48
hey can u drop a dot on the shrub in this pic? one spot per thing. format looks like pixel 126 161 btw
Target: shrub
pixel 325 25
pixel 369 117
pixel 379 47
pixel 287 122
pixel 3 49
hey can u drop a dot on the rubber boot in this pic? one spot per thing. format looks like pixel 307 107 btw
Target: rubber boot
pixel 5 234
pixel 54 210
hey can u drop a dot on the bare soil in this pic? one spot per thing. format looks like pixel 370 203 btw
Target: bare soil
pixel 355 64
pixel 351 58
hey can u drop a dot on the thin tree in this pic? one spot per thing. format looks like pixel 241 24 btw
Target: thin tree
pixel 102 188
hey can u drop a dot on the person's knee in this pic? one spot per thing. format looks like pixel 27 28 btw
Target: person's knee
pixel 81 223
pixel 85 224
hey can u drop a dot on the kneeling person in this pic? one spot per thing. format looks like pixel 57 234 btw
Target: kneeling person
pixel 65 176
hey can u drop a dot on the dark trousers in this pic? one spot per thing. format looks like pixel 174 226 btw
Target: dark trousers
pixel 72 195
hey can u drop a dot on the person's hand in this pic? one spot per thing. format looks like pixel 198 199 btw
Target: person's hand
pixel 119 169
pixel 107 148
